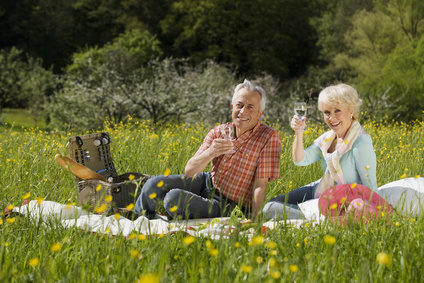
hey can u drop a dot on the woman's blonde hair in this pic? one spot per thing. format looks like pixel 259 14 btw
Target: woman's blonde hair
pixel 341 95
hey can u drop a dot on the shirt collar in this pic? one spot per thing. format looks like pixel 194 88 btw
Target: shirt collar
pixel 248 133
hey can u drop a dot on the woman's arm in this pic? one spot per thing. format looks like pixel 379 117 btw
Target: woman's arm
pixel 365 161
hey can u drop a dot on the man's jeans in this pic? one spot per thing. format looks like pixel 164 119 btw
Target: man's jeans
pixel 285 206
pixel 186 197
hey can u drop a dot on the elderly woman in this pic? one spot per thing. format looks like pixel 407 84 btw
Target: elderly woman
pixel 346 151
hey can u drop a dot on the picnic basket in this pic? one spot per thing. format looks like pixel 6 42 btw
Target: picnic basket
pixel 93 151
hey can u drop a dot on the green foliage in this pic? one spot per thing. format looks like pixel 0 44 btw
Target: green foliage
pixel 162 91
pixel 24 82
pixel 254 36
pixel 128 52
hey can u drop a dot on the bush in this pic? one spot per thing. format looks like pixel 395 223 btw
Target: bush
pixel 164 91
pixel 24 83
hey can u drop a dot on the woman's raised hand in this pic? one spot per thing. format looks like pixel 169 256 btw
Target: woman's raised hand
pixel 297 124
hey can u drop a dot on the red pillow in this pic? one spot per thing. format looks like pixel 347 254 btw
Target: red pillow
pixel 354 200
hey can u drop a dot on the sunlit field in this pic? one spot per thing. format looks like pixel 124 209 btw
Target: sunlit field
pixel 378 252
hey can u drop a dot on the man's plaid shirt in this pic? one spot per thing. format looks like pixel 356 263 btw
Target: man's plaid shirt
pixel 257 155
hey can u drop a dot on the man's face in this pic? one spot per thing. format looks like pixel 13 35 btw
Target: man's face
pixel 246 110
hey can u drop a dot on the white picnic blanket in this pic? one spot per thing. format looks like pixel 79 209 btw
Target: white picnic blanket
pixel 404 195
pixel 51 213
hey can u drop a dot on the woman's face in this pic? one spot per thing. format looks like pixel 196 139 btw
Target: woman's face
pixel 338 118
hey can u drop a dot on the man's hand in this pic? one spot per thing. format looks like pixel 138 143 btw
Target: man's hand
pixel 197 164
pixel 220 146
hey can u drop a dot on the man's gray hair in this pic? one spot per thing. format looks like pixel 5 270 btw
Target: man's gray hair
pixel 251 86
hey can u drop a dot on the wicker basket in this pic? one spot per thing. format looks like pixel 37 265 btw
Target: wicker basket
pixel 93 151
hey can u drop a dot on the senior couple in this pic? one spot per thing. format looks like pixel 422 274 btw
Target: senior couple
pixel 242 167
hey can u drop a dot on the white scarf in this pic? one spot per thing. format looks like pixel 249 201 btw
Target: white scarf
pixel 334 173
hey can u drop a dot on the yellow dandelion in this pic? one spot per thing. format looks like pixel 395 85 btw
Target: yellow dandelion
pixel 305 241
pixel 209 244
pixel 141 237
pixel 131 177
pixel 297 245
pixel 257 240
pixel 116 216
pixel 56 247
pixel 130 207
pixel 246 268
pixel 152 195
pixel 353 185
pixel 33 262
pixel 176 257
pixel 382 214
pixel 1 221
pixel 333 206
pixel 272 262
pixel 98 188
pixel 412 220
pixel 378 207
pixel 26 196
pixel 160 184
pixel 40 200
pixel 329 240
pixel 270 245
pixel 10 220
pixel 108 198
pixel 259 260
pixel 161 235
pixel 6 244
pixel 149 278
pixel 188 240
pixel 173 209
pixel 236 244
pixel 384 259
pixel 275 274
pixel 293 268
pixel 342 200
pixel 213 252
pixel 100 209
pixel 132 236
pixel 367 167
pixel 417 176
pixel 10 206
pixel 273 252
pixel 403 176
pixel 135 254
pixel 167 172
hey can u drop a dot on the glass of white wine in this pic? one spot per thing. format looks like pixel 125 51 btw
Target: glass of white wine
pixel 228 134
pixel 300 109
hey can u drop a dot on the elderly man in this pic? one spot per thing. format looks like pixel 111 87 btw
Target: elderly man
pixel 241 168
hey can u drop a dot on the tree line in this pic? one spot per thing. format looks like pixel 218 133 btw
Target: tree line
pixel 116 58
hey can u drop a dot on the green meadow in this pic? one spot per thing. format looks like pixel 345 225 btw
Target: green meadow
pixel 34 252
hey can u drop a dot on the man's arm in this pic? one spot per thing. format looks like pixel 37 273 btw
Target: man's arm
pixel 259 194
pixel 198 163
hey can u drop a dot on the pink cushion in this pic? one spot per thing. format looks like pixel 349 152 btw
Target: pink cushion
pixel 356 200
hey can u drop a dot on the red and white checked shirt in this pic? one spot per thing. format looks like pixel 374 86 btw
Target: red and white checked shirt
pixel 257 155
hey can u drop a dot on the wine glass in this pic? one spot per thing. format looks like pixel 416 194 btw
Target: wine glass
pixel 300 109
pixel 228 134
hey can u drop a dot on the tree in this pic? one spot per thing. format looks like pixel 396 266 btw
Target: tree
pixel 256 36
pixel 125 54
pixel 24 82
pixel 163 91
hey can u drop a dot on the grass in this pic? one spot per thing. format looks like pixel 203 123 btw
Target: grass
pixel 378 252
pixel 21 118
